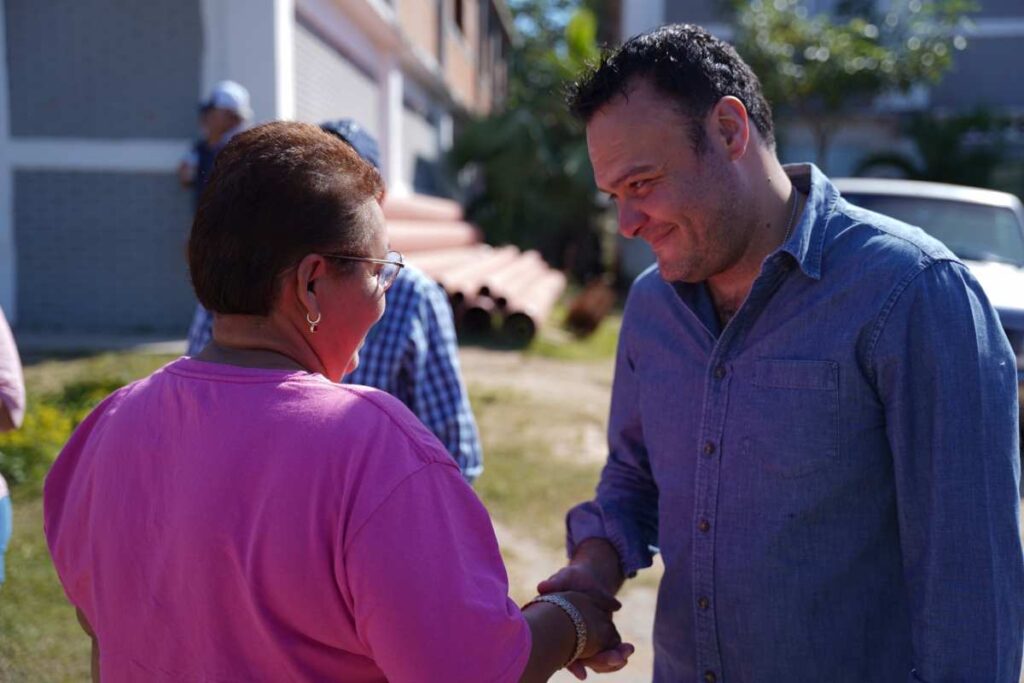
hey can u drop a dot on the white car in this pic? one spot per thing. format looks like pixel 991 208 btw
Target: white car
pixel 984 228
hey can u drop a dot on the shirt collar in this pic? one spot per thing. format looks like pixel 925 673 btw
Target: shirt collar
pixel 807 241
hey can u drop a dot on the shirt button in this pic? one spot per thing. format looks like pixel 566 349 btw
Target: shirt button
pixel 719 372
pixel 703 603
pixel 704 525
pixel 710 677
pixel 709 448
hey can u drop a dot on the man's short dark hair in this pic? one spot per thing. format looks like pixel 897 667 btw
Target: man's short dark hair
pixel 277 192
pixel 685 63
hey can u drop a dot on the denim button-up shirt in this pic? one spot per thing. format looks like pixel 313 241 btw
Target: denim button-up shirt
pixel 831 478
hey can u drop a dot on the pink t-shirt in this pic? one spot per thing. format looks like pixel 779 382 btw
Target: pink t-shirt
pixel 216 523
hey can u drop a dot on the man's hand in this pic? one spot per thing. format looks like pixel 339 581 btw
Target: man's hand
pixel 603 662
pixel 595 570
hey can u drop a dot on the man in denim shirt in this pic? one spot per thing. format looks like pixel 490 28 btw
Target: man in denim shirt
pixel 814 412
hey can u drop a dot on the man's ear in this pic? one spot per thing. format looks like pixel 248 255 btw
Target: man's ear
pixel 731 126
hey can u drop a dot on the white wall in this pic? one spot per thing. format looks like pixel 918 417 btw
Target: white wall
pixel 252 42
pixel 328 85
pixel 366 33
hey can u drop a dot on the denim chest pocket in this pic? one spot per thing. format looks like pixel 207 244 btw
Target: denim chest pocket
pixel 794 416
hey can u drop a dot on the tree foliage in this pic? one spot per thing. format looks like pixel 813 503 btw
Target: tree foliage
pixel 821 67
pixel 964 149
pixel 529 162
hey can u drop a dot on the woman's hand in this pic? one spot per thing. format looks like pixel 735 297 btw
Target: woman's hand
pixel 604 652
pixel 596 611
pixel 554 636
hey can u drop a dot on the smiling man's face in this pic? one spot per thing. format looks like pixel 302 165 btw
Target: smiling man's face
pixel 686 205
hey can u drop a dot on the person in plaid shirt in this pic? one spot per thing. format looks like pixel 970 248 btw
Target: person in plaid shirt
pixel 411 353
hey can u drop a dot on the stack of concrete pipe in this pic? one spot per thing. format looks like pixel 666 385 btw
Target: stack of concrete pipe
pixel 489 287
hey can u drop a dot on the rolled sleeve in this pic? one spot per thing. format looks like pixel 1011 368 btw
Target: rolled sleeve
pixel 625 510
pixel 946 375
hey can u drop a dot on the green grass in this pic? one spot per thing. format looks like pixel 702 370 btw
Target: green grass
pixel 52 375
pixel 41 639
pixel 523 486
pixel 554 342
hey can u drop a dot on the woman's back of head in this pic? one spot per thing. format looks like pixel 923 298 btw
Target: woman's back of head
pixel 277 192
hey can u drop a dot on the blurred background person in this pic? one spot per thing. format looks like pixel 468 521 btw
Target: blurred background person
pixel 12 411
pixel 412 353
pixel 222 115
pixel 244 514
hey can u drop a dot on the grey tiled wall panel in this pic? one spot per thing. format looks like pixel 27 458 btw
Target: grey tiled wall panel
pixel 102 252
pixel 103 68
pixel 981 76
pixel 328 85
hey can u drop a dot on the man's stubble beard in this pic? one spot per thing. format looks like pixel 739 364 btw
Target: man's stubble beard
pixel 724 240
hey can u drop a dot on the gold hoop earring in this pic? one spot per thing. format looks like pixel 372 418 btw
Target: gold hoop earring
pixel 313 323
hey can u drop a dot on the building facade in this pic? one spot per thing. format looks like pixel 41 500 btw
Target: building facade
pixel 98 105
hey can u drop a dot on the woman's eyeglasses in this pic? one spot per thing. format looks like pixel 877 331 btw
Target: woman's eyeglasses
pixel 389 266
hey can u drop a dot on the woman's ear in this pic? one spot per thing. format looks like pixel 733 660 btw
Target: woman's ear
pixel 310 270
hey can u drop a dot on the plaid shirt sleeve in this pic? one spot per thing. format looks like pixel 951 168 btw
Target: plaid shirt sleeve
pixel 440 396
pixel 412 354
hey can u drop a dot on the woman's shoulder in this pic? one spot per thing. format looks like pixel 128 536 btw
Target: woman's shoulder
pixel 389 421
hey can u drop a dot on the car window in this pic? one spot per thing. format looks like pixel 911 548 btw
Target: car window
pixel 971 231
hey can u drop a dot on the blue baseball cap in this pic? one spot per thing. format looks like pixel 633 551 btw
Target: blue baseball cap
pixel 357 138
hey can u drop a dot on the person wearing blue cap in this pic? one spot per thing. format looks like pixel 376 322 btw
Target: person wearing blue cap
pixel 222 115
pixel 412 352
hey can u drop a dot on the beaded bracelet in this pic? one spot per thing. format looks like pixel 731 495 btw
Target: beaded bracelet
pixel 574 615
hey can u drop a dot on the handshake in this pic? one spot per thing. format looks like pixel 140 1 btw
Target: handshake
pixel 585 591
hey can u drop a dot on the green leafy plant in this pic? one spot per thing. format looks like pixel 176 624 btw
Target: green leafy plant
pixel 959 149
pixel 529 161
pixel 26 454
pixel 822 67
